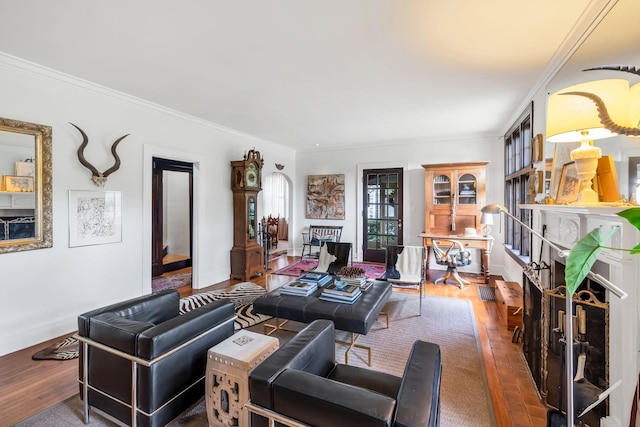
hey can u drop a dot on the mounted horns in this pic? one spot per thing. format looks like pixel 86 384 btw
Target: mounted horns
pixel 604 116
pixel 97 177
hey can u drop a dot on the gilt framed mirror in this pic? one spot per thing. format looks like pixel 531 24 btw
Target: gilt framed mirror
pixel 25 191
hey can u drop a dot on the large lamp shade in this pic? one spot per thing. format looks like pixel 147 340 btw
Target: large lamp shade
pixel 572 118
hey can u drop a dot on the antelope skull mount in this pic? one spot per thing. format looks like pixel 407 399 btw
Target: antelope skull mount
pixel 98 178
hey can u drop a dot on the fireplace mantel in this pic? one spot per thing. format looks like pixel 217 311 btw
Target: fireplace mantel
pixel 564 226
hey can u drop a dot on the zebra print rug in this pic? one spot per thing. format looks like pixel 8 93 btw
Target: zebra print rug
pixel 241 294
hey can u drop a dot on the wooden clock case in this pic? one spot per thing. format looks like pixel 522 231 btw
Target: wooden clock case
pixel 247 256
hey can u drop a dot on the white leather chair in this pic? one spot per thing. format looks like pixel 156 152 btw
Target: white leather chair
pixel 405 266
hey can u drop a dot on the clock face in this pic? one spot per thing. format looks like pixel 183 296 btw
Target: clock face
pixel 252 176
pixel 568 231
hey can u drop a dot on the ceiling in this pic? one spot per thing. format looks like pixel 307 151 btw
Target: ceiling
pixel 309 74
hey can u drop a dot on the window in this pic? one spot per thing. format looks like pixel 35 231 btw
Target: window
pixel 276 196
pixel 517 161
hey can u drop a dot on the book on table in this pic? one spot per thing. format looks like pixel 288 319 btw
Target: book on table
pixel 366 285
pixel 296 287
pixel 361 280
pixel 318 278
pixel 344 299
pixel 341 288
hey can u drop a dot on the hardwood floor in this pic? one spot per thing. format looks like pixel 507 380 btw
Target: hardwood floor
pixel 28 387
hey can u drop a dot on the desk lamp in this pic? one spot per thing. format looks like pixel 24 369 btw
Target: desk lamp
pixel 573 117
pixel 486 220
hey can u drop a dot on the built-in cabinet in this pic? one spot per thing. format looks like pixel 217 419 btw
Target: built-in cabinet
pixel 455 193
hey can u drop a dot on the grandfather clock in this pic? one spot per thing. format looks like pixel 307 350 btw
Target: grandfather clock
pixel 247 256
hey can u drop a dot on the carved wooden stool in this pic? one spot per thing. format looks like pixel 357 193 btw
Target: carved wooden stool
pixel 228 367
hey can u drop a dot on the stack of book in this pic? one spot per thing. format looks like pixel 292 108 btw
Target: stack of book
pixel 297 287
pixel 360 281
pixel 352 280
pixel 319 279
pixel 341 292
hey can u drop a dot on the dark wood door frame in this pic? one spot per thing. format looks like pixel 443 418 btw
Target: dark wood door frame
pixel 386 228
pixel 157 208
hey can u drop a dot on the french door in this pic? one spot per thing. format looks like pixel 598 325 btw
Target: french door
pixel 382 212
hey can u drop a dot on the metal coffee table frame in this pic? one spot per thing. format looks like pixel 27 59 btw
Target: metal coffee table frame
pixel 356 318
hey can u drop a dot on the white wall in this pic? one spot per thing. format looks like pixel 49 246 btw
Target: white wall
pixel 44 290
pixel 410 157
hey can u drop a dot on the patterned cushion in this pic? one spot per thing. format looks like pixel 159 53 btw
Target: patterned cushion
pixel 317 237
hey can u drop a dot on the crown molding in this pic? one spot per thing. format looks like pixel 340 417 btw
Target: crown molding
pixel 20 65
pixel 582 29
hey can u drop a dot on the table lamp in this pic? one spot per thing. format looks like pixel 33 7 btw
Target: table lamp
pixel 486 220
pixel 573 117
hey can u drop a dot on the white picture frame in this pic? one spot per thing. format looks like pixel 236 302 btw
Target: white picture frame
pixel 95 217
pixel 26 169
pixel 561 156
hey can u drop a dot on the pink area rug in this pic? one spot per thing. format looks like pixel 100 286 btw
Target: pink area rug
pixel 170 282
pixel 373 271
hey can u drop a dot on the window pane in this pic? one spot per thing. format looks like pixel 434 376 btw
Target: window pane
pixel 442 190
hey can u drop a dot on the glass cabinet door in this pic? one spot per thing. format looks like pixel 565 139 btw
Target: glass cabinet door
pixel 467 187
pixel 252 218
pixel 442 190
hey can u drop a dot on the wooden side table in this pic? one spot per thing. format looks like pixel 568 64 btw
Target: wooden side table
pixel 227 380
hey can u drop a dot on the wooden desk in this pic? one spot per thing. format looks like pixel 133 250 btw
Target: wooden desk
pixel 471 242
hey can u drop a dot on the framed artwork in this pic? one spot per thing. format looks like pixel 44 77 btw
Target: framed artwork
pixel 569 184
pixel 17 184
pixel 540 181
pixel 325 196
pixel 536 148
pixel 26 169
pixel 95 217
pixel 634 178
pixel 561 156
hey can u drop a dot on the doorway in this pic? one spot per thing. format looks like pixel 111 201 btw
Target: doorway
pixel 276 201
pixel 172 216
pixel 382 213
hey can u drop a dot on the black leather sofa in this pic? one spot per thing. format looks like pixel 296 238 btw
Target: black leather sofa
pixel 301 382
pixel 166 350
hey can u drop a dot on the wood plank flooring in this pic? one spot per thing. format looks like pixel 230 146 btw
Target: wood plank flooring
pixel 28 387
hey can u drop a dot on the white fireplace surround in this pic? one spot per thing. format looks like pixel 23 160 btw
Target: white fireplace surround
pixel 565 225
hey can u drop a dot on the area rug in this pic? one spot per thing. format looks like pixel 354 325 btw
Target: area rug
pixel 170 282
pixel 241 294
pixel 373 271
pixel 465 398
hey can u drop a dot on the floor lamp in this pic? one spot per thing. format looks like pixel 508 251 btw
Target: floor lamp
pixel 563 253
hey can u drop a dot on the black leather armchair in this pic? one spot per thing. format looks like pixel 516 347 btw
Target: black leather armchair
pixel 146 338
pixel 302 383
